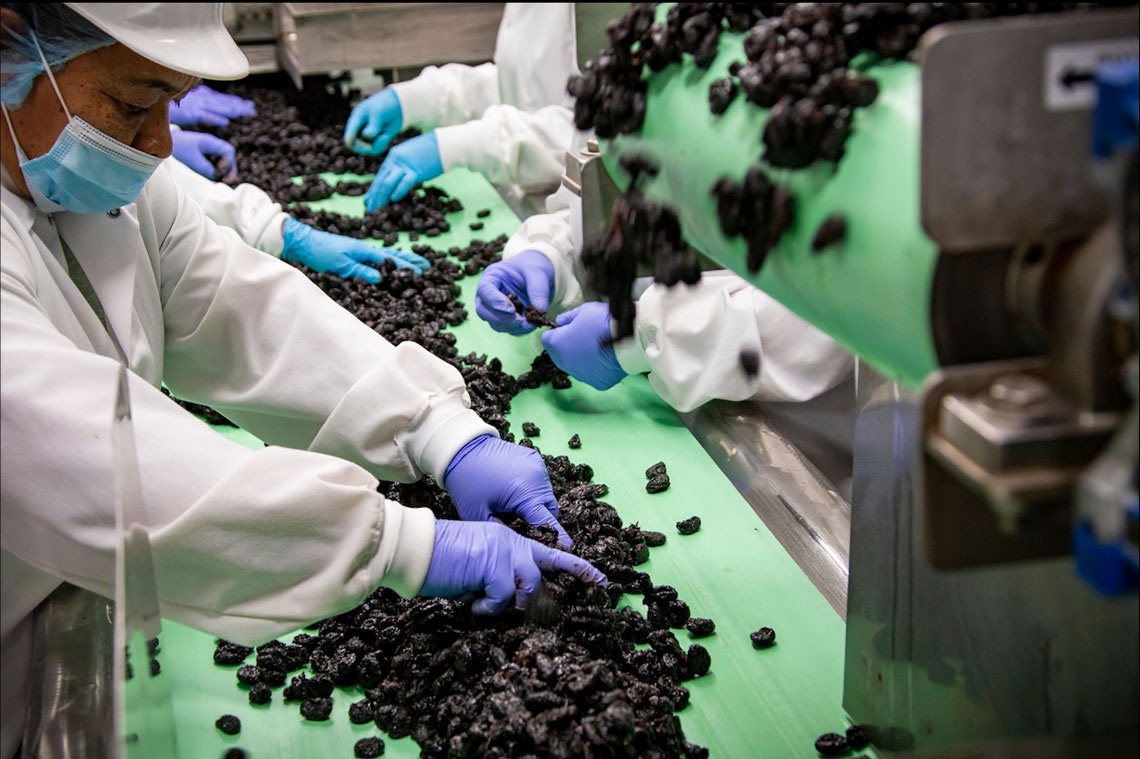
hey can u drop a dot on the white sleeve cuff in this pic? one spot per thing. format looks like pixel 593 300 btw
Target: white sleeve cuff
pixel 464 145
pixel 419 102
pixel 405 551
pixel 434 439
pixel 631 354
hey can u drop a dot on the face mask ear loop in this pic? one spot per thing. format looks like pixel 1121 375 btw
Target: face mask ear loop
pixel 51 78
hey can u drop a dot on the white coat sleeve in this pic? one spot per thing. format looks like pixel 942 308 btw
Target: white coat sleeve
pixel 449 94
pixel 689 340
pixel 550 234
pixel 508 145
pixel 247 545
pixel 246 209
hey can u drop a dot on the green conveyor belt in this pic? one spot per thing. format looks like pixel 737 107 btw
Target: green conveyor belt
pixel 771 703
pixel 872 292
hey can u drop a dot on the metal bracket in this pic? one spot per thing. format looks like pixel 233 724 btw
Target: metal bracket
pixel 1006 127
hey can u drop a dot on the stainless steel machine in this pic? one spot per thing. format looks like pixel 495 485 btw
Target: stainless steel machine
pixel 991 294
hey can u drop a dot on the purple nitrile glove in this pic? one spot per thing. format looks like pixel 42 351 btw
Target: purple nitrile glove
pixel 580 346
pixel 489 476
pixel 469 557
pixel 409 163
pixel 191 148
pixel 374 122
pixel 529 275
pixel 344 256
pixel 208 107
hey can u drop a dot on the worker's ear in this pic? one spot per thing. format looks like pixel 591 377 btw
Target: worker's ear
pixel 9 20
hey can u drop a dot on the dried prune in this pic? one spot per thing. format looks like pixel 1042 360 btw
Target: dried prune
pixel 575 442
pixel 475 226
pixel 530 429
pixel 360 712
pixel 657 484
pixel 689 526
pixel 653 539
pixel 235 753
pixel 857 737
pixel 228 724
pixel 368 748
pixel 833 230
pixel 249 674
pixel 831 744
pixel 259 693
pixel 699 660
pixel 765 637
pixel 483 213
pixel 656 469
pixel 228 653
pixel 316 709
pixel 721 93
pixel 700 627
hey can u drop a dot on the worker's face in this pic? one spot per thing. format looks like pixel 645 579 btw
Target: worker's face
pixel 115 90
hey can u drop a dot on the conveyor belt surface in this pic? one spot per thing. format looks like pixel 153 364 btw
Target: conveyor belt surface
pixel 770 703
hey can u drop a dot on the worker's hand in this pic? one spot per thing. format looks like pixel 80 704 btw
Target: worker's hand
pixel 191 148
pixel 470 557
pixel 529 276
pixel 208 107
pixel 409 163
pixel 580 346
pixel 489 476
pixel 344 256
pixel 374 122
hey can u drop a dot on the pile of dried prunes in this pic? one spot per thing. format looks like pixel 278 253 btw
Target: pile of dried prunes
pixel 569 685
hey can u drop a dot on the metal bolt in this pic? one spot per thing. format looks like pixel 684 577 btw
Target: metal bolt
pixel 592 145
pixel 1019 391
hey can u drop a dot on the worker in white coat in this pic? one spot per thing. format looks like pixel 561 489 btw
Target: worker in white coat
pixel 510 120
pixel 688 339
pixel 103 263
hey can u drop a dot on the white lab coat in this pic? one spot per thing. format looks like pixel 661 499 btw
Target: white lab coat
pixel 689 339
pixel 510 120
pixel 246 209
pixel 247 545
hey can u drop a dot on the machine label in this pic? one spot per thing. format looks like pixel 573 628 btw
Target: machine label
pixel 1070 70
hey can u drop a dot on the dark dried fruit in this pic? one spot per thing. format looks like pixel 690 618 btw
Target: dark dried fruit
pixel 765 637
pixel 228 724
pixel 700 627
pixel 833 230
pixel 530 429
pixel 657 483
pixel 248 674
pixel 656 469
pixel 750 362
pixel 228 653
pixel 316 709
pixel 689 526
pixel 699 660
pixel 259 693
pixel 857 737
pixel 235 753
pixel 653 538
pixel 368 748
pixel 361 711
pixel 721 93
pixel 575 442
pixel 475 226
pixel 483 213
pixel 831 744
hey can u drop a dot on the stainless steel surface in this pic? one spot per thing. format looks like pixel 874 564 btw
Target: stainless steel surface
pixel 937 658
pixel 322 37
pixel 590 21
pixel 587 177
pixel 1000 163
pixel 71 673
pixel 803 509
pixel 262 58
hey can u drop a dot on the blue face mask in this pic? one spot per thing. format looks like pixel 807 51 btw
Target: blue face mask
pixel 85 171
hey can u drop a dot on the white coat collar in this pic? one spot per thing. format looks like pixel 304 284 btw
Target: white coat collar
pixel 22 208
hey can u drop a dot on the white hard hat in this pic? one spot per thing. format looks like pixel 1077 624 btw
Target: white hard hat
pixel 187 37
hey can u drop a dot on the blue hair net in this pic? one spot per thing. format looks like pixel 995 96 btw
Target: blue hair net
pixel 63 35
